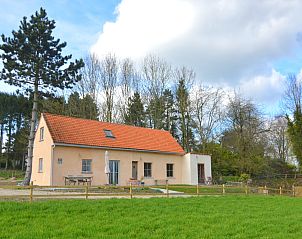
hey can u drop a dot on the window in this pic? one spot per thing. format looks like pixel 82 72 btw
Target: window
pixel 86 166
pixel 41 133
pixel 147 170
pixel 114 172
pixel 169 170
pixel 60 161
pixel 108 133
pixel 40 170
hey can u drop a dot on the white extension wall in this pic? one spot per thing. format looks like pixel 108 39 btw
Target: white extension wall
pixel 189 167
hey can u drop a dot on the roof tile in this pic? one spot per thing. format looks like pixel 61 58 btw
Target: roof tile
pixel 70 130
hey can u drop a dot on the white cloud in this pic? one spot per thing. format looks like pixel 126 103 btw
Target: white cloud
pixel 143 26
pixel 264 88
pixel 233 44
pixel 222 40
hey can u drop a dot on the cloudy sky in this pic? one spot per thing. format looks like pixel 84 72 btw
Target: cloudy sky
pixel 244 44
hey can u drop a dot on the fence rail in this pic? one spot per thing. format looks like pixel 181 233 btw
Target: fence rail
pixel 32 192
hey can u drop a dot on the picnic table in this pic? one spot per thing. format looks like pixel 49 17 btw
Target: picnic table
pixel 77 179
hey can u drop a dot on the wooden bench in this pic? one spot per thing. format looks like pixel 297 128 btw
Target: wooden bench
pixel 71 179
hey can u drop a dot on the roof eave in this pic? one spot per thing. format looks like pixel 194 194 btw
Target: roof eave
pixel 116 148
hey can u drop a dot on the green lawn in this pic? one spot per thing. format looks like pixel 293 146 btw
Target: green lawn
pixel 196 217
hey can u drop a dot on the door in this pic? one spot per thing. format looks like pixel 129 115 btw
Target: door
pixel 134 170
pixel 201 178
pixel 114 172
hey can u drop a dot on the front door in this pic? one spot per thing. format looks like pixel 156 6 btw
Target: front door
pixel 114 172
pixel 200 168
pixel 134 170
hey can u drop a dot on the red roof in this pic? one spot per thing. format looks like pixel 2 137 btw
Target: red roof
pixel 70 130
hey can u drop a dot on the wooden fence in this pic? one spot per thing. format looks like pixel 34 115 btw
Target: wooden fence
pixel 33 192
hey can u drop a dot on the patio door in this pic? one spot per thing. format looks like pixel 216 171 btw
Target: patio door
pixel 114 172
pixel 134 170
pixel 200 172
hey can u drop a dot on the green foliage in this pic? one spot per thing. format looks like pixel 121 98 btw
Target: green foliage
pixel 230 178
pixel 169 114
pixel 196 217
pixel 14 118
pixel 244 177
pixel 135 113
pixel 295 133
pixel 224 161
pixel 183 111
pixel 81 107
pixel 33 57
pixel 7 174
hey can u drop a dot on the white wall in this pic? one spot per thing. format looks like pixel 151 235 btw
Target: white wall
pixel 190 162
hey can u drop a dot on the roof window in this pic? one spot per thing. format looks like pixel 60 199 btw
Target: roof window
pixel 108 133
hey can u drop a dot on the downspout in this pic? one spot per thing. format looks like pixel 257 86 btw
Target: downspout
pixel 51 164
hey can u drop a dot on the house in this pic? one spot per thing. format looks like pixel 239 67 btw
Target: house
pixel 73 150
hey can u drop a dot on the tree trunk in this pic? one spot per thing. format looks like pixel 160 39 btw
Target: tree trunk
pixel 31 138
pixel 1 138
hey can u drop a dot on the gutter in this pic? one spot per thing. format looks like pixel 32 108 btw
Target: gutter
pixel 51 164
pixel 113 148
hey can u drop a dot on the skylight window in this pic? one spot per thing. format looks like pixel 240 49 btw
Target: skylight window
pixel 108 133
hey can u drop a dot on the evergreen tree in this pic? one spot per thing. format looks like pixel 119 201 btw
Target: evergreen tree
pixel 155 112
pixel 169 117
pixel 82 108
pixel 183 111
pixel 295 133
pixel 135 111
pixel 33 59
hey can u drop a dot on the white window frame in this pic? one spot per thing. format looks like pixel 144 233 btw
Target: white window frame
pixel 147 170
pixel 41 133
pixel 85 167
pixel 40 165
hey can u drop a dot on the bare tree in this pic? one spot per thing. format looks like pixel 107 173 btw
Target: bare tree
pixel 127 80
pixel 108 82
pixel 156 75
pixel 278 139
pixel 292 99
pixel 292 102
pixel 207 112
pixel 91 74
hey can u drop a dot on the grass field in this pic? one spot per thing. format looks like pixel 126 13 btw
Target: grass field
pixel 196 217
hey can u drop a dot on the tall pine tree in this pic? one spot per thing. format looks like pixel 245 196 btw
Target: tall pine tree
pixel 135 114
pixel 32 58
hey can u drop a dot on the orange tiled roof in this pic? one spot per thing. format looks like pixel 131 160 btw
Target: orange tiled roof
pixel 70 130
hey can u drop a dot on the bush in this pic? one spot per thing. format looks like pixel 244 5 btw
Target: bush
pixel 244 177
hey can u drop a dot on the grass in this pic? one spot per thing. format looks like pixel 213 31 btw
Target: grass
pixel 7 174
pixel 216 189
pixel 196 217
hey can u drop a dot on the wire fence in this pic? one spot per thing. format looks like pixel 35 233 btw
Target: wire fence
pixel 34 192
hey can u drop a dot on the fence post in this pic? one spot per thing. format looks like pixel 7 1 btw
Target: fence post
pixel 223 189
pixel 294 193
pixel 130 190
pixel 280 190
pixel 86 191
pixel 197 189
pixel 167 188
pixel 266 191
pixel 246 189
pixel 31 191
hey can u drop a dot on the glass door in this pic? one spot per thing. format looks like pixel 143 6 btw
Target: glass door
pixel 114 172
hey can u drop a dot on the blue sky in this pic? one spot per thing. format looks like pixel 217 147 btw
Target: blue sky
pixel 78 22
pixel 247 45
